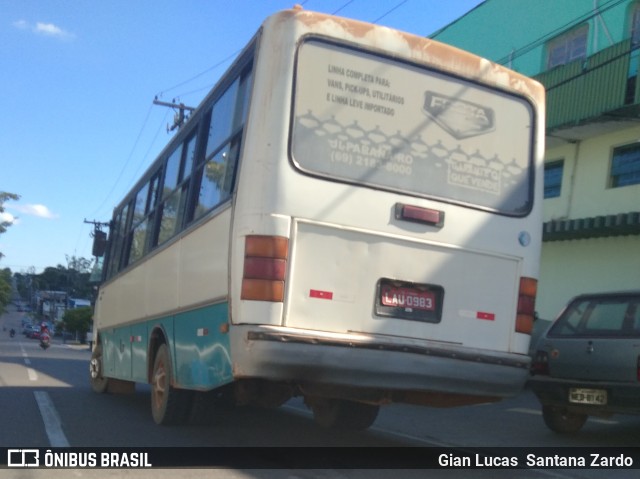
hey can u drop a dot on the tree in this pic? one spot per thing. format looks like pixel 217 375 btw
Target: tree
pixel 5 276
pixel 4 224
pixel 5 288
pixel 78 320
pixel 73 280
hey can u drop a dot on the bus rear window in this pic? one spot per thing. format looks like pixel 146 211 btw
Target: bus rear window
pixel 379 122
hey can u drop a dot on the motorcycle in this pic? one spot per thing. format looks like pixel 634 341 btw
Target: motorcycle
pixel 44 341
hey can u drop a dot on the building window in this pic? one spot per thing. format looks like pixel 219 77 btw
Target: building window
pixel 553 178
pixel 625 166
pixel 635 25
pixel 567 47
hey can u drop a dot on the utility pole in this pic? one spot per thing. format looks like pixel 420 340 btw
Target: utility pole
pixel 99 237
pixel 180 117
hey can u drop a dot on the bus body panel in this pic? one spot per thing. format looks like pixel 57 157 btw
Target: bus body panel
pixel 352 363
pixel 202 350
pixel 334 286
pixel 191 271
pixel 202 358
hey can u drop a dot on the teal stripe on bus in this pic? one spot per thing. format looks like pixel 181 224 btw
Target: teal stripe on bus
pixel 200 351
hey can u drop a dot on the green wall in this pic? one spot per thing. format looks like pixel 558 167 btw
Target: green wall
pixel 498 29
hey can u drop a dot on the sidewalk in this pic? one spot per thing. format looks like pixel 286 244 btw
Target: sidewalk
pixel 76 345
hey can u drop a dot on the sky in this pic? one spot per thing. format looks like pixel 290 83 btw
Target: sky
pixel 77 82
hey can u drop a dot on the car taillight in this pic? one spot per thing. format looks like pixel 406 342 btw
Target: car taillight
pixel 540 364
pixel 526 305
pixel 265 268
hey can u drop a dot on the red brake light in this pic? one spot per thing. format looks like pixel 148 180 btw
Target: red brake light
pixel 526 305
pixel 265 268
pixel 420 215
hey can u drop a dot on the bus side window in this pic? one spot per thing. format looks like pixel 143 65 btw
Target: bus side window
pixel 216 174
pixel 117 242
pixel 175 192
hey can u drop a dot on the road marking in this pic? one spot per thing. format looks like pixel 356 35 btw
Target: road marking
pixel 539 413
pixel 33 376
pixel 523 410
pixel 51 419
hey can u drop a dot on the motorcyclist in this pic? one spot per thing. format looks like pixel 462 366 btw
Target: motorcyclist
pixel 12 333
pixel 44 335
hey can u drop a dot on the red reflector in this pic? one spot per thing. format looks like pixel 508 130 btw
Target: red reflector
pixel 419 215
pixel 314 293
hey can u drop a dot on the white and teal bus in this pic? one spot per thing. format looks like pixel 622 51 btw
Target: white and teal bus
pixel 352 215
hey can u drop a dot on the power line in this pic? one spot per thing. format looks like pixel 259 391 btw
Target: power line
pixel 198 75
pixel 124 166
pixel 540 40
pixel 342 7
pixel 389 11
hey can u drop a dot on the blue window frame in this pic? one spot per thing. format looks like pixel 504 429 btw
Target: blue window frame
pixel 553 178
pixel 625 166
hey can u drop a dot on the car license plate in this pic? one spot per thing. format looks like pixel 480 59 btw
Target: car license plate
pixel 596 397
pixel 405 300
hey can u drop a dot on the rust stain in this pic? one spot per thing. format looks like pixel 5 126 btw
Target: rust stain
pixel 416 48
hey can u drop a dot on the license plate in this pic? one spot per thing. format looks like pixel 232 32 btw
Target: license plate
pixel 405 300
pixel 596 397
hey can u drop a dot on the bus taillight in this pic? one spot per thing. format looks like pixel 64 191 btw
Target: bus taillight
pixel 526 305
pixel 265 268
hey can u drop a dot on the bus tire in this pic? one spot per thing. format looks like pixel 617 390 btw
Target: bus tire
pixel 99 383
pixel 332 413
pixel 169 405
pixel 561 421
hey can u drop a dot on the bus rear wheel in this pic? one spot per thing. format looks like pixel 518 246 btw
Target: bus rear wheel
pixel 168 404
pixel 98 382
pixel 333 413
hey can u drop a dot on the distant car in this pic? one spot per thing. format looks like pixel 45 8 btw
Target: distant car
pixel 29 328
pixel 588 362
pixel 34 334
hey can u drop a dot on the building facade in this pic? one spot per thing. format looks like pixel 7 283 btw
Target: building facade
pixel 586 53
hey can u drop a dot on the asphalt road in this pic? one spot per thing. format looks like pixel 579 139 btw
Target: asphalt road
pixel 46 401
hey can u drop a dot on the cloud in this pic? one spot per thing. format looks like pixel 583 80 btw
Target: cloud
pixel 41 211
pixel 7 218
pixel 21 24
pixel 46 29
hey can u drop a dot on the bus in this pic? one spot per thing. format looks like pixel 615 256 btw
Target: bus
pixel 351 216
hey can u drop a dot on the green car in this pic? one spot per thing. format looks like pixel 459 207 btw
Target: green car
pixel 588 362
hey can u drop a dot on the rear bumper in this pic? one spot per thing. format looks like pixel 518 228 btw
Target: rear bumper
pixel 375 362
pixel 622 398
